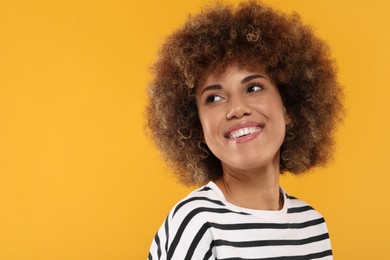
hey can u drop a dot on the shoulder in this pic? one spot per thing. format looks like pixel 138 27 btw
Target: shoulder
pixel 184 233
pixel 296 205
pixel 300 211
pixel 205 204
pixel 200 200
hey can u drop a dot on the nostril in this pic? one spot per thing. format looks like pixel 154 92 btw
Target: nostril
pixel 238 111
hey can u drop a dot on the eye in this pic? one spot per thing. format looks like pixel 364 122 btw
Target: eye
pixel 212 99
pixel 254 88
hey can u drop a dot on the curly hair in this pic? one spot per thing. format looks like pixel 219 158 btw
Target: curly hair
pixel 251 35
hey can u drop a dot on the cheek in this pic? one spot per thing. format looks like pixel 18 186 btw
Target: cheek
pixel 210 129
pixel 203 123
pixel 207 128
pixel 276 110
pixel 207 119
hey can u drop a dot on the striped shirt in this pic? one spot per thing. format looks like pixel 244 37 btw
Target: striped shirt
pixel 205 226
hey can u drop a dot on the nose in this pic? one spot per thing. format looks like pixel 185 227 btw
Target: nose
pixel 237 108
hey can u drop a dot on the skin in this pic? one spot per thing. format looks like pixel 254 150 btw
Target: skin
pixel 244 99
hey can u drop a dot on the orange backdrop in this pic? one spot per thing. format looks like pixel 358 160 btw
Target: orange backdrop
pixel 80 180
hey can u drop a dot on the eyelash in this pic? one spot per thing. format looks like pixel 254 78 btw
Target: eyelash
pixel 211 98
pixel 255 85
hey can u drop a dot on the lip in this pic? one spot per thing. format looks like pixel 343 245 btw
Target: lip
pixel 243 124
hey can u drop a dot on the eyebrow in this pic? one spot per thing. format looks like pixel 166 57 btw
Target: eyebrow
pixel 211 87
pixel 243 81
pixel 250 77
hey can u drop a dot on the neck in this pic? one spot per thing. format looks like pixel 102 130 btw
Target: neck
pixel 254 189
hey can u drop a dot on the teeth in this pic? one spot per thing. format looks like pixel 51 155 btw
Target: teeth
pixel 244 131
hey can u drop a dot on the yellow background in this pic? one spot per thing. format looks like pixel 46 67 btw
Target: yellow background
pixel 80 180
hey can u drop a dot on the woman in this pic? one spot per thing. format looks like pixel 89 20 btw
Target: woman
pixel 239 96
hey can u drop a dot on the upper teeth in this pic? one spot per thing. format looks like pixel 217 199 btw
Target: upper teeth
pixel 244 131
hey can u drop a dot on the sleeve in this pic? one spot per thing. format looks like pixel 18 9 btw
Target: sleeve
pixel 181 238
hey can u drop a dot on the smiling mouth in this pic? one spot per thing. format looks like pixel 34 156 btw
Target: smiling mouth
pixel 244 132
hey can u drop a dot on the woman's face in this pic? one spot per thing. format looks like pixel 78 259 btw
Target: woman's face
pixel 243 118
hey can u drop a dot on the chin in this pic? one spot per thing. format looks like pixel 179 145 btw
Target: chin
pixel 247 165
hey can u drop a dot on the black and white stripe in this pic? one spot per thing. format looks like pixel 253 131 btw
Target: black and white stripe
pixel 205 226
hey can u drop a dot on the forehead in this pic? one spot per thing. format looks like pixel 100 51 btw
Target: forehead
pixel 231 70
